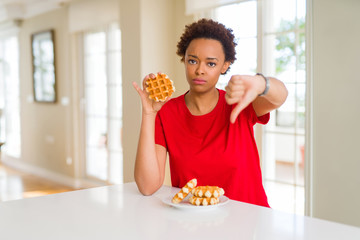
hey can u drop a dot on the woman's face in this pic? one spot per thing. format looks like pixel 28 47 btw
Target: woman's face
pixel 204 62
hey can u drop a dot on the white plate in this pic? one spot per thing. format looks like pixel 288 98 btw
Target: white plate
pixel 185 204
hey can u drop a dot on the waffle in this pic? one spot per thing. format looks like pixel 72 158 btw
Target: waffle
pixel 184 191
pixel 160 88
pixel 207 191
pixel 203 201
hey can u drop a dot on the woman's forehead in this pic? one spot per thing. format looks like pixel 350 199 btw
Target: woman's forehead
pixel 209 48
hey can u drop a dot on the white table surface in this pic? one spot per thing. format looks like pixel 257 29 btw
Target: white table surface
pixel 121 212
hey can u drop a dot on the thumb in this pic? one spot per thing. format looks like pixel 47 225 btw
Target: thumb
pixel 236 111
pixel 137 88
pixel 243 103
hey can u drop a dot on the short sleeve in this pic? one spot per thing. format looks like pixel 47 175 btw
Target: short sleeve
pixel 264 119
pixel 159 132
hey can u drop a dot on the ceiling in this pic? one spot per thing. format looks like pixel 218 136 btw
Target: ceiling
pixel 22 9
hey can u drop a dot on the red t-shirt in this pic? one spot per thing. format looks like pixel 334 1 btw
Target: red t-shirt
pixel 212 149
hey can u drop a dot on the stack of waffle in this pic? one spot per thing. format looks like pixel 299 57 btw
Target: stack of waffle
pixel 206 195
pixel 202 195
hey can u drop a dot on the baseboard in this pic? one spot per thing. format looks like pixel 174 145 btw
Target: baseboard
pixel 49 175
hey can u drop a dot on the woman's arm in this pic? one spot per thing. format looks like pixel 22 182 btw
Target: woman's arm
pixel 244 89
pixel 150 158
pixel 273 99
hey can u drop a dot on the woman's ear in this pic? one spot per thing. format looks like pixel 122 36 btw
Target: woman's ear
pixel 225 67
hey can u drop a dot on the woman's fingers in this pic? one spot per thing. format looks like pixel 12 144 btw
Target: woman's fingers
pixel 231 99
pixel 149 105
pixel 137 88
pixel 151 75
pixel 240 91
pixel 234 92
pixel 142 93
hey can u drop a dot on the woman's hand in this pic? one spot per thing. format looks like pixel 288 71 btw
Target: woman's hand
pixel 149 106
pixel 150 160
pixel 243 90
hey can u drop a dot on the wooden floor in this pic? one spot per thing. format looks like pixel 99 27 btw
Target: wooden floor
pixel 17 185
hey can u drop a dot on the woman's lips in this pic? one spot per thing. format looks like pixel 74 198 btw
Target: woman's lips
pixel 199 81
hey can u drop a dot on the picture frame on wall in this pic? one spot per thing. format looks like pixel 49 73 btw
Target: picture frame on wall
pixel 43 62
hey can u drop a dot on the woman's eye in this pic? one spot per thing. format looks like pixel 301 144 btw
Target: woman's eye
pixel 212 64
pixel 192 61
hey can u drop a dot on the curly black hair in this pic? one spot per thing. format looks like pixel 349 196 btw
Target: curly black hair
pixel 209 29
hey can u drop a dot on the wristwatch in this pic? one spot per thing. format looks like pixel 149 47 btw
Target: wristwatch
pixel 267 84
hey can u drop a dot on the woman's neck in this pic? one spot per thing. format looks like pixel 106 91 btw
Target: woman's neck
pixel 201 104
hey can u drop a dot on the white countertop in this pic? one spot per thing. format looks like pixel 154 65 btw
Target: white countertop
pixel 121 212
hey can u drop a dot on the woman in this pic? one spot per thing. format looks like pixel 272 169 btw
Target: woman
pixel 207 132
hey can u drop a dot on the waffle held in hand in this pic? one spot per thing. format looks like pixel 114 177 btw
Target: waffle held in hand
pixel 160 88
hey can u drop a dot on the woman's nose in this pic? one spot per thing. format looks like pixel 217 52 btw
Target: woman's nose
pixel 200 69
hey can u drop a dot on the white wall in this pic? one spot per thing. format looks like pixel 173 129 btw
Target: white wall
pixel 147 43
pixel 46 128
pixel 130 25
pixel 336 110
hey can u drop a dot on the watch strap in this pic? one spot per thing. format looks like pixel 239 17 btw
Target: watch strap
pixel 267 84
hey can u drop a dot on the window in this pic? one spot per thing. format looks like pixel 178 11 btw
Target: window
pixel 103 100
pixel 245 31
pixel 284 57
pixel 273 42
pixel 10 97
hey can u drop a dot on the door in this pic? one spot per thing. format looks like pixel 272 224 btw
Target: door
pixel 102 98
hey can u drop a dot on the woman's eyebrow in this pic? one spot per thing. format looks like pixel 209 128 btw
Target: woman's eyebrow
pixel 194 56
pixel 208 58
pixel 212 59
